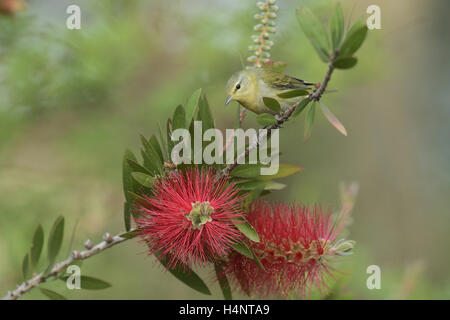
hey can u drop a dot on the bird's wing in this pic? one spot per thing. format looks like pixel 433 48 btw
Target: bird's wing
pixel 278 80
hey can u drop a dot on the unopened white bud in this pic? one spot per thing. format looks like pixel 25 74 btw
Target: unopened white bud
pixel 88 244
pixel 107 237
pixel 258 27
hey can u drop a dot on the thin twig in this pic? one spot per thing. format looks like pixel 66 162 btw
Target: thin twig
pixel 61 266
pixel 285 116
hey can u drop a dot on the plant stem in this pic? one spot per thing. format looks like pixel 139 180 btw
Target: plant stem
pixel 26 286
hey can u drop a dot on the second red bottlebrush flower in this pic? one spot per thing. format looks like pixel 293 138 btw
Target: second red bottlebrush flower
pixel 297 244
pixel 189 217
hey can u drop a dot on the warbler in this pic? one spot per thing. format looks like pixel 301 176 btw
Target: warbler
pixel 250 86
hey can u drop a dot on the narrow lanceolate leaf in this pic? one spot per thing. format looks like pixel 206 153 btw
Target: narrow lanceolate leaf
pixel 309 121
pixel 272 104
pixel 136 167
pixel 345 63
pixel 353 40
pixel 90 283
pixel 152 160
pixel 315 32
pixel 163 143
pixel 266 185
pixel 284 170
pixel 156 146
pixel 247 229
pixel 301 106
pixel 337 27
pixel 36 247
pixel 143 179
pixel 179 118
pixel 130 234
pixel 332 119
pixel 126 172
pixel 52 294
pixel 266 119
pixel 26 267
pixel 55 240
pixel 293 93
pixel 204 114
pixel 185 275
pixel 192 106
pixel 127 215
pixel 246 171
pixel 245 250
pixel 223 282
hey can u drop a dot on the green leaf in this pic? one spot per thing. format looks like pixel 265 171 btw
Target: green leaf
pixel 26 267
pixel 353 40
pixel 143 179
pixel 179 118
pixel 309 121
pixel 204 114
pixel 332 119
pixel 185 275
pixel 163 143
pixel 314 31
pixel 266 119
pixel 156 147
pixel 345 63
pixel 246 171
pixel 55 241
pixel 126 172
pixel 223 282
pixel 272 104
pixel 127 215
pixel 136 198
pixel 52 294
pixel 247 229
pixel 293 93
pixel 170 143
pixel 302 105
pixel 130 234
pixel 337 27
pixel 284 170
pixel 266 185
pixel 36 247
pixel 90 283
pixel 136 167
pixel 245 250
pixel 152 161
pixel 192 106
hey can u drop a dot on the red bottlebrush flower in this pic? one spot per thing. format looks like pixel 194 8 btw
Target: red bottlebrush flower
pixel 189 217
pixel 296 245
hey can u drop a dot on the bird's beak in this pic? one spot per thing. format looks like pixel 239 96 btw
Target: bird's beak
pixel 228 100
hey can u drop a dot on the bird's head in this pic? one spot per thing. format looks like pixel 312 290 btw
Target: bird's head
pixel 240 86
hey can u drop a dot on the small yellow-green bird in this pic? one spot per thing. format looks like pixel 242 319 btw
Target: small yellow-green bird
pixel 250 86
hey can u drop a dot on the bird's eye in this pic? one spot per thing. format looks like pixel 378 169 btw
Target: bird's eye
pixel 238 86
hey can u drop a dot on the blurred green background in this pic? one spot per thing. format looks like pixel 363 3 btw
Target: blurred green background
pixel 71 102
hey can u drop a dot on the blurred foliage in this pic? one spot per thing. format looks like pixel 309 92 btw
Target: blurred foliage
pixel 72 100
